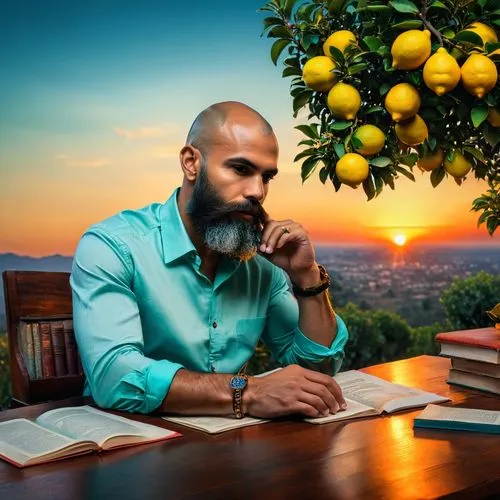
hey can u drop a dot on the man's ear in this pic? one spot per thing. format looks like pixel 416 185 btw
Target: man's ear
pixel 190 162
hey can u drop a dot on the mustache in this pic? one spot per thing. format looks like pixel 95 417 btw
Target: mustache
pixel 212 210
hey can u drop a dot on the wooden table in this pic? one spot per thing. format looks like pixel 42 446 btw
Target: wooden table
pixel 368 458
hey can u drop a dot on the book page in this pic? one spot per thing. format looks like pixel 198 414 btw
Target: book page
pixel 353 410
pixel 469 415
pixel 85 422
pixel 380 394
pixel 214 425
pixel 22 440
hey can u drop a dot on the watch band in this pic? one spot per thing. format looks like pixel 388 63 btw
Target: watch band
pixel 238 384
pixel 323 285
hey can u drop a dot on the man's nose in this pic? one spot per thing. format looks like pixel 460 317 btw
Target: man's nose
pixel 256 189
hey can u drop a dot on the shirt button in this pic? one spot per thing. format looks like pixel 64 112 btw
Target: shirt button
pixel 214 324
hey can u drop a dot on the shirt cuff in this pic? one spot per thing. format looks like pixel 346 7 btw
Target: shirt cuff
pixel 155 383
pixel 311 351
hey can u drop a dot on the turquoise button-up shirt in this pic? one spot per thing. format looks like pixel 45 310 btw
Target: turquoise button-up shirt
pixel 142 310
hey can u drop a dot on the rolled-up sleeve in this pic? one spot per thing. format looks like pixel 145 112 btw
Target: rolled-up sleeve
pixel 108 329
pixel 285 338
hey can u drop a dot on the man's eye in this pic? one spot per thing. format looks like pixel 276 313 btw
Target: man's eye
pixel 241 169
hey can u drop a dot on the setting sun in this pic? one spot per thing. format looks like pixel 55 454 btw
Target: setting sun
pixel 400 239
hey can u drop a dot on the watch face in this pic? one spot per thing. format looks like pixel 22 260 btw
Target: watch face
pixel 238 382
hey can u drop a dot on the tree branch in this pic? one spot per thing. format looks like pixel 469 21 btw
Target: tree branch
pixel 431 28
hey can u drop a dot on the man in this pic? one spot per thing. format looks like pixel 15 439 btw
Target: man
pixel 170 300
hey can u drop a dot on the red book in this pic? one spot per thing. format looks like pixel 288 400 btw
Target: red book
pixel 482 344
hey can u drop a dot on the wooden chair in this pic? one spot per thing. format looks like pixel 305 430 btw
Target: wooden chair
pixel 32 296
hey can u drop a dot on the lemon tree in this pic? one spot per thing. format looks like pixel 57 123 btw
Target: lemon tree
pixel 393 86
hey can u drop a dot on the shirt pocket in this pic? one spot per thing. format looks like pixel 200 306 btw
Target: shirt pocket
pixel 249 331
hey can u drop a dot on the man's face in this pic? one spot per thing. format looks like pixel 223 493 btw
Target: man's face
pixel 230 228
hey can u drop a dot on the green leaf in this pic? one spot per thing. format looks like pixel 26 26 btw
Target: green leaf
pixel 380 161
pixel 356 143
pixel 407 25
pixel 279 32
pixel 356 68
pixel 476 153
pixel 323 174
pixel 341 125
pixel 483 217
pixel 309 39
pixel 496 22
pixel 374 109
pixel 387 177
pixel 300 100
pixel 369 187
pixel 432 143
pixel 491 46
pixel 309 130
pixel 337 55
pixel 478 115
pixel 372 42
pixel 437 175
pixel 469 37
pixel 384 88
pixel 450 154
pixel 409 160
pixel 287 6
pixel 492 136
pixel 339 149
pixel 335 6
pixel 438 5
pixel 405 172
pixel 491 225
pixel 404 6
pixel 379 184
pixel 273 21
pixel 308 167
pixel 305 153
pixel 277 49
pixel 415 78
pixel 289 71
pixel 374 8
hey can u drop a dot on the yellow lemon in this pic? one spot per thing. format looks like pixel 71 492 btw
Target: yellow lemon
pixel 494 117
pixel 317 73
pixel 412 132
pixel 458 167
pixel 352 169
pixel 486 33
pixel 441 72
pixel 479 75
pixel 344 101
pixel 402 101
pixel 372 139
pixel 411 49
pixel 340 40
pixel 431 161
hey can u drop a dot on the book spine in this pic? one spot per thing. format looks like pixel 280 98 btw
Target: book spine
pixel 70 347
pixel 57 338
pixel 37 349
pixel 25 342
pixel 47 352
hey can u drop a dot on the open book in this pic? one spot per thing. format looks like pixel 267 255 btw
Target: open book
pixel 458 419
pixel 364 394
pixel 67 432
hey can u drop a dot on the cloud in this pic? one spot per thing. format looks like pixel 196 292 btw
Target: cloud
pixel 167 151
pixel 145 132
pixel 80 162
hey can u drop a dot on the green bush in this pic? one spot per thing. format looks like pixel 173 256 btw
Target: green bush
pixel 4 371
pixel 466 301
pixel 422 340
pixel 375 336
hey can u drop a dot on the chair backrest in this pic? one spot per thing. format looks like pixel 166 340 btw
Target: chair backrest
pixel 44 361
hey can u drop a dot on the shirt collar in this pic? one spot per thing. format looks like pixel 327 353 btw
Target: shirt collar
pixel 174 237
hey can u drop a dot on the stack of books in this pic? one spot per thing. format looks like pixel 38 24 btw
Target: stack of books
pixel 475 358
pixel 48 347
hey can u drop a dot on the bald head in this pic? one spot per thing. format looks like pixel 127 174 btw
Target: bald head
pixel 208 125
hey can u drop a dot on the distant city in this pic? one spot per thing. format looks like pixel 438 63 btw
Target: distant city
pixel 408 281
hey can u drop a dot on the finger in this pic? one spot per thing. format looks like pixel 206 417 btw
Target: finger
pixel 323 392
pixel 330 384
pixel 281 232
pixel 315 402
pixel 269 229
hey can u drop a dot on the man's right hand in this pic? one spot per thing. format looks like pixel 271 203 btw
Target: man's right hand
pixel 292 390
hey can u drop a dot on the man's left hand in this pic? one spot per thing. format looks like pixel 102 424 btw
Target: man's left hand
pixel 286 244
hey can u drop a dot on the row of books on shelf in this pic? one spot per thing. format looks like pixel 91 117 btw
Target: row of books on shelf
pixel 475 358
pixel 48 347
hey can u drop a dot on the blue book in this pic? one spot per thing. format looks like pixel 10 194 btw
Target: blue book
pixel 458 419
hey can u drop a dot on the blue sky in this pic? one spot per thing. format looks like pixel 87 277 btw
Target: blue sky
pixel 96 98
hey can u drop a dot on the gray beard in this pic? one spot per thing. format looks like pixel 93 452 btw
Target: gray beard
pixel 211 217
